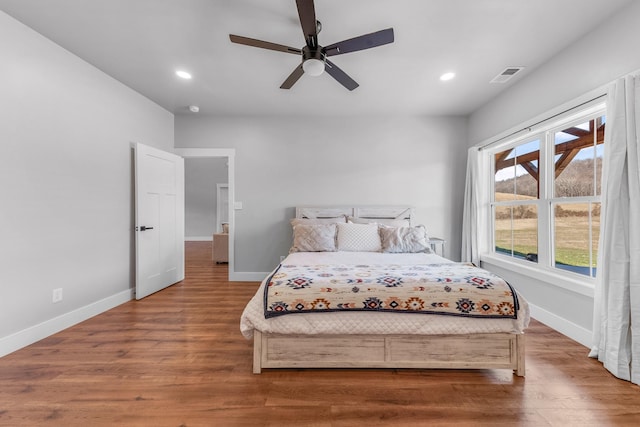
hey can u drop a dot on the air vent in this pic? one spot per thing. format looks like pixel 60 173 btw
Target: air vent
pixel 507 74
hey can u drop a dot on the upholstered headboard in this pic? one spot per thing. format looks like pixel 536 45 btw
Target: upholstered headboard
pixel 365 212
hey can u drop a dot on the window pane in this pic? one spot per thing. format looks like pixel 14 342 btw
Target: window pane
pixel 599 156
pixel 516 171
pixel 527 158
pixel 578 159
pixel 516 231
pixel 503 223
pixel 577 229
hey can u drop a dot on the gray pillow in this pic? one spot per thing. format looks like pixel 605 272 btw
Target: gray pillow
pixel 405 239
pixel 314 238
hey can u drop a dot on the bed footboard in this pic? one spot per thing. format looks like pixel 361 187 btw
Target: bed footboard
pixel 473 351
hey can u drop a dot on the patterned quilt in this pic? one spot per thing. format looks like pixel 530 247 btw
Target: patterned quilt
pixel 456 289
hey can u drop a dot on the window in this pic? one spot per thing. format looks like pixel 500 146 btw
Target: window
pixel 546 194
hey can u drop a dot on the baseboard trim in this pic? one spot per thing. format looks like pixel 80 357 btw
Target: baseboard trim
pixel 252 276
pixel 35 333
pixel 565 327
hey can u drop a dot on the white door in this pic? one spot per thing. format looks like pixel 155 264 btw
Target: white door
pixel 159 205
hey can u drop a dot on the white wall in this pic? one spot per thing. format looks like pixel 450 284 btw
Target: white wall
pixel 283 162
pixel 603 55
pixel 66 181
pixel 201 176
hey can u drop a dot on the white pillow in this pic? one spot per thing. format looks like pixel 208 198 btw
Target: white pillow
pixel 314 238
pixel 359 238
pixel 405 239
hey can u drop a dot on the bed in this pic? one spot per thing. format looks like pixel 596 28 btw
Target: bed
pixel 300 334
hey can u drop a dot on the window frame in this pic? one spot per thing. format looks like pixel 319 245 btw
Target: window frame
pixel 546 200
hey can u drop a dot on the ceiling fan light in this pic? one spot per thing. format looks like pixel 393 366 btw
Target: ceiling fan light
pixel 447 76
pixel 183 74
pixel 313 67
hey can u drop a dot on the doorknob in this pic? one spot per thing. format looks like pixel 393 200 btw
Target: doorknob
pixel 144 228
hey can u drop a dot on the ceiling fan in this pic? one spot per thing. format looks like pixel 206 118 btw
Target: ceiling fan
pixel 314 57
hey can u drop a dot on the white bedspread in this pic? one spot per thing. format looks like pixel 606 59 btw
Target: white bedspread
pixel 370 323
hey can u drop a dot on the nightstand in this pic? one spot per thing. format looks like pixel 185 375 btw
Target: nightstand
pixel 437 245
pixel 220 247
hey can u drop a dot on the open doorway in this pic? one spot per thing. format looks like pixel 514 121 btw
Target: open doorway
pixel 226 157
pixel 204 210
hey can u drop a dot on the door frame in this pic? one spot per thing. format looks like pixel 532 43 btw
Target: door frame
pixel 230 154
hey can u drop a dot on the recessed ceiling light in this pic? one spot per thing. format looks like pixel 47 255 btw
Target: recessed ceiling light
pixel 183 74
pixel 194 108
pixel 447 76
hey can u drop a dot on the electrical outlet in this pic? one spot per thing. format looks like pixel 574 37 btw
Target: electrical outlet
pixel 57 295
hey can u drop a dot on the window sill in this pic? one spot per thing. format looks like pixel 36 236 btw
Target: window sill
pixel 556 278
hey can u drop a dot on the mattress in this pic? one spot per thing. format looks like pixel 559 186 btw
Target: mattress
pixel 366 323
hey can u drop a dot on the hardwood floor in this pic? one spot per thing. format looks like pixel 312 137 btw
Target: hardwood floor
pixel 177 358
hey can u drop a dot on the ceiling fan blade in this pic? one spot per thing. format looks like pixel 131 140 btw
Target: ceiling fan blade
pixel 366 41
pixel 264 45
pixel 340 75
pixel 293 78
pixel 307 14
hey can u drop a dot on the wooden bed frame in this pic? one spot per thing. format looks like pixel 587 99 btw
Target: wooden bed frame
pixel 469 351
pixel 463 351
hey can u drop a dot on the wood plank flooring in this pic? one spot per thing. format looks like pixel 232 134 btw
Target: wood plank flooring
pixel 177 358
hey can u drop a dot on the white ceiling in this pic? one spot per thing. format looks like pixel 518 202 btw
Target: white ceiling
pixel 142 42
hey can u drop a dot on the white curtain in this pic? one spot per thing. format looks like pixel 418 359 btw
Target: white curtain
pixel 471 212
pixel 616 329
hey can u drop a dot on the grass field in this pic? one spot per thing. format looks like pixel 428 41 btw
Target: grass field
pixel 571 233
pixel 571 245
